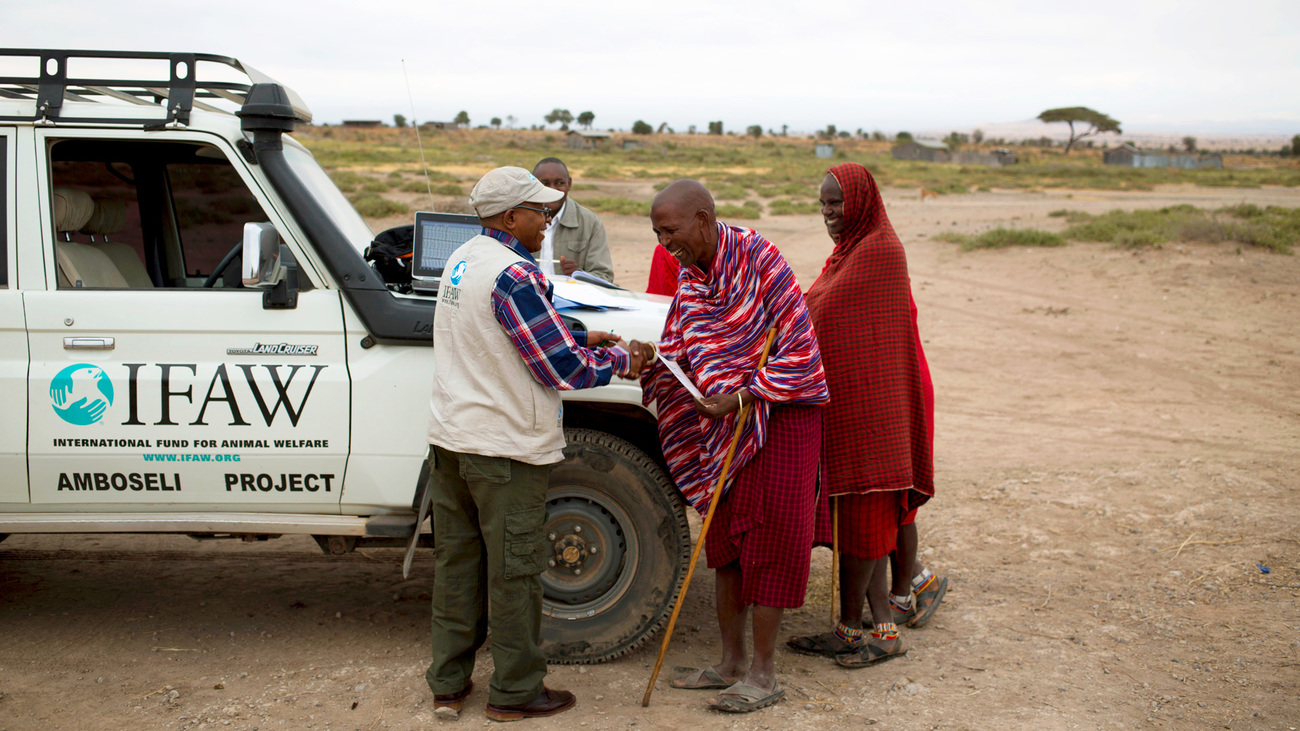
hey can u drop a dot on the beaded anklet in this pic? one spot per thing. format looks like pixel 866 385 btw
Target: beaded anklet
pixel 885 631
pixel 850 636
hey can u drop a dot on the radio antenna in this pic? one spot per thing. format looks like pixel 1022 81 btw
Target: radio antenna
pixel 414 123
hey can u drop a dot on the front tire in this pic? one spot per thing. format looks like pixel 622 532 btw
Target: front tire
pixel 617 546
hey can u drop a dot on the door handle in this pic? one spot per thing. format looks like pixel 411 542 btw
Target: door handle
pixel 88 344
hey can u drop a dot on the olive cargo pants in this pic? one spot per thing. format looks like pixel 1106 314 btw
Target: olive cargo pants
pixel 489 551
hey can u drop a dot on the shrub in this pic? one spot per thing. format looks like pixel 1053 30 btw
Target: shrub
pixel 771 191
pixel 640 127
pixel 371 205
pixel 1001 238
pixel 347 180
pixel 787 207
pixel 730 191
pixel 600 172
pixel 582 186
pixel 448 189
pixel 620 206
pixel 375 186
pixel 733 211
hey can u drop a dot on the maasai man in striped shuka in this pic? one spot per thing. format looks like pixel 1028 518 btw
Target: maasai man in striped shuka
pixel 878 448
pixel 733 286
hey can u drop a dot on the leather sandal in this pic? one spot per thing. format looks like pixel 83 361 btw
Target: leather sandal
pixel 826 644
pixel 872 654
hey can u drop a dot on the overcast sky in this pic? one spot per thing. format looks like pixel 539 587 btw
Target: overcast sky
pixel 1165 65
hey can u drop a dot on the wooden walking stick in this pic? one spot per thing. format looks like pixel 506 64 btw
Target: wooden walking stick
pixel 835 554
pixel 704 531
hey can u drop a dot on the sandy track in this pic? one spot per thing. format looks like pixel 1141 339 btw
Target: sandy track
pixel 1117 435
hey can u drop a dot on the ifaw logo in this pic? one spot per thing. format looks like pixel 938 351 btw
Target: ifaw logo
pixel 81 393
pixel 458 272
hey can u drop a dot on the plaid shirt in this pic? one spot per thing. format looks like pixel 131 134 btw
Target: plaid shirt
pixel 521 301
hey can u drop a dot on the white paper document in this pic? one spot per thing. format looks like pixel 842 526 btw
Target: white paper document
pixel 680 375
pixel 590 295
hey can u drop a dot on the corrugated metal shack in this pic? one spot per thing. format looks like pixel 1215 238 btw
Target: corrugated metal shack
pixel 1128 156
pixel 586 139
pixel 925 150
pixel 993 158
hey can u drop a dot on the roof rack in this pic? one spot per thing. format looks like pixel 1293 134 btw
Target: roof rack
pixel 182 92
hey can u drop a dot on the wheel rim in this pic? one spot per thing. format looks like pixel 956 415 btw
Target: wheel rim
pixel 592 553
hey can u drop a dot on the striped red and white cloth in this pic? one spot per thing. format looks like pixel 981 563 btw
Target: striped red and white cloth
pixel 717 325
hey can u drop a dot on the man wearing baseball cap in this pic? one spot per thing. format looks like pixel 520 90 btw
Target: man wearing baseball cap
pixel 495 432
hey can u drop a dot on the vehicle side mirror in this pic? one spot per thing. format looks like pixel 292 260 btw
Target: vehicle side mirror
pixel 261 267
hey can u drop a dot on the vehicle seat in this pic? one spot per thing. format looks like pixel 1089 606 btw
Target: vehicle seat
pixel 79 265
pixel 109 217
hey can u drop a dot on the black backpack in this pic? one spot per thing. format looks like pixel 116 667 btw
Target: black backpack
pixel 390 255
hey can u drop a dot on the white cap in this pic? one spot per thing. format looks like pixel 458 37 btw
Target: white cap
pixel 504 188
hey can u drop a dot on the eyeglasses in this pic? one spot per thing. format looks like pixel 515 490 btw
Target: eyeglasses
pixel 544 211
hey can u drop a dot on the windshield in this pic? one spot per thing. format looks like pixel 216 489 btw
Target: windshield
pixel 340 211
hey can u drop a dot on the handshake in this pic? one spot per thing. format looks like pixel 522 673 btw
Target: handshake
pixel 640 355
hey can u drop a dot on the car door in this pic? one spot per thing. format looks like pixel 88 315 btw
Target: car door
pixel 13 339
pixel 155 380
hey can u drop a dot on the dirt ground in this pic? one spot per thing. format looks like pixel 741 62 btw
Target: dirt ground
pixel 1117 501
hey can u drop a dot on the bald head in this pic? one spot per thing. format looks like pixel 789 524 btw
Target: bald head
pixel 686 195
pixel 685 223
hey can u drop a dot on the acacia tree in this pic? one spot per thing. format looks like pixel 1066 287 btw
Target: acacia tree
pixel 1096 121
pixel 563 116
pixel 399 120
pixel 640 127
pixel 462 118
pixel 955 140
pixel 715 128
pixel 586 118
pixel 1189 143
pixel 754 130
pixel 496 123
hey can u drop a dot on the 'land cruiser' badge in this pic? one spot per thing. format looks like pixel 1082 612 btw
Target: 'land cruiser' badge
pixel 274 349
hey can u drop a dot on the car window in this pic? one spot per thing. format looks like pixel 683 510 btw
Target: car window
pixel 142 215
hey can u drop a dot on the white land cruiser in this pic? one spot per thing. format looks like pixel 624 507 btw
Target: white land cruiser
pixel 166 368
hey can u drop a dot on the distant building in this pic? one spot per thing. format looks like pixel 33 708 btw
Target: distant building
pixel 586 139
pixel 362 123
pixel 1128 156
pixel 993 158
pixel 632 144
pixel 824 149
pixel 439 125
pixel 924 150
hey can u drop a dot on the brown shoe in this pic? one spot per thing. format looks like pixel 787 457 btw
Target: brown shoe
pixel 547 703
pixel 452 700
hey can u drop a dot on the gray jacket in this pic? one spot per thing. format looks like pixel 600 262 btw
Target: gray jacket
pixel 580 236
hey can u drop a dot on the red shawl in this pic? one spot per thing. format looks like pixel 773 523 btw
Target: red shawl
pixel 716 328
pixel 663 273
pixel 877 434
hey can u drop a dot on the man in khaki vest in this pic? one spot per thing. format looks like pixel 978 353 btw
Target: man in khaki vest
pixel 495 431
pixel 575 238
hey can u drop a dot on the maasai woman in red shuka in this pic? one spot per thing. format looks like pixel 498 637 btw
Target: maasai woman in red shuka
pixel 877 441
pixel 762 532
